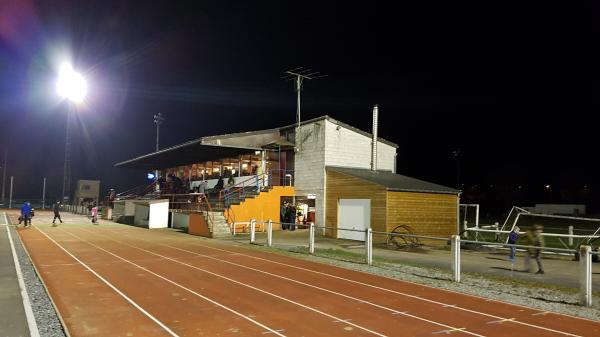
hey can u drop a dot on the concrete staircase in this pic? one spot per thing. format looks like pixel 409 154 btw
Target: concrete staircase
pixel 218 224
pixel 219 227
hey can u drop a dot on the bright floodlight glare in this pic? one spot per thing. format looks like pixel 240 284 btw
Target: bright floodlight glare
pixel 71 84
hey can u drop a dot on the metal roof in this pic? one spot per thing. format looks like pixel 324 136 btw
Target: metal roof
pixel 347 126
pixel 191 152
pixel 393 181
pixel 308 121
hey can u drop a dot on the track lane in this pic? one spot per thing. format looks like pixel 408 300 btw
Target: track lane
pixel 253 302
pixel 385 320
pixel 497 312
pixel 87 305
pixel 440 313
pixel 185 315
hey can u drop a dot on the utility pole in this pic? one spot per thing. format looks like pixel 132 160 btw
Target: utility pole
pixel 299 75
pixel 4 173
pixel 158 120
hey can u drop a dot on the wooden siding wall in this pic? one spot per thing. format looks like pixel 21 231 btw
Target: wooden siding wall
pixel 431 214
pixel 341 186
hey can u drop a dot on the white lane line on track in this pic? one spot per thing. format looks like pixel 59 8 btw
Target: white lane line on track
pixel 31 324
pixel 154 319
pixel 236 282
pixel 447 332
pixel 501 321
pixel 394 311
pixel 193 243
pixel 170 281
pixel 398 292
pixel 268 332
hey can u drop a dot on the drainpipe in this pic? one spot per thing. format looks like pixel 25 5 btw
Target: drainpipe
pixel 374 141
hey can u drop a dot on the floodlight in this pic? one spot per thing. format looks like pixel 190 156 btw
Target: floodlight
pixel 71 84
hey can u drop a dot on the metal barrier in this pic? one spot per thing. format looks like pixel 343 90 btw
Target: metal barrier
pixel 585 266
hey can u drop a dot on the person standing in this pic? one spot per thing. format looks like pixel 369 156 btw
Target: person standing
pixel 513 236
pixel 283 216
pixel 26 214
pixel 290 212
pixel 535 239
pixel 95 214
pixel 56 209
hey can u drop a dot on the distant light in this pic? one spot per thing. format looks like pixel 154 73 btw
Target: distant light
pixel 257 152
pixel 71 84
pixel 547 186
pixel 520 187
pixel 244 165
pixel 150 176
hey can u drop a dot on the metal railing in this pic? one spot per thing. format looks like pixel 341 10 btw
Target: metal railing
pixel 585 252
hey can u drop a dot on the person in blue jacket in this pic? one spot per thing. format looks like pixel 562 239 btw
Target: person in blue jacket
pixel 26 214
pixel 513 236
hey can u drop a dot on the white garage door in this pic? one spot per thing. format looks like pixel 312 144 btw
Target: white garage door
pixel 353 214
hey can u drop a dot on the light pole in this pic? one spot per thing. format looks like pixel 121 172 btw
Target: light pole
pixel 158 120
pixel 72 86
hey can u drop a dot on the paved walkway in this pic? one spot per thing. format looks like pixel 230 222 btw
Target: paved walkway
pixel 560 270
pixel 13 321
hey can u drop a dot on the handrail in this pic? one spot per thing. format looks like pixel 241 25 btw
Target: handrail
pixel 136 190
pixel 240 187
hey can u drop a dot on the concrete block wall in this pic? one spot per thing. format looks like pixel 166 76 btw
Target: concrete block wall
pixel 348 148
pixel 310 165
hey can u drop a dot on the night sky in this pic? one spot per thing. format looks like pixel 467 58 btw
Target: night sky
pixel 514 88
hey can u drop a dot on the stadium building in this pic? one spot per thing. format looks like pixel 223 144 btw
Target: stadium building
pixel 337 175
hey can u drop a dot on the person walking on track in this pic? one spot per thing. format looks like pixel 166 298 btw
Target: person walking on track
pixel 56 209
pixel 26 214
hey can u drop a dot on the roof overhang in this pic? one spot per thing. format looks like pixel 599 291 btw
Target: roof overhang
pixel 394 182
pixel 185 154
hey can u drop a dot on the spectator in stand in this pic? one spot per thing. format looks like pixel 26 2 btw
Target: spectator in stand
pixel 230 181
pixel 220 183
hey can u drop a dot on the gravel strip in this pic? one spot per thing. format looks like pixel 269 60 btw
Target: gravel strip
pixel 542 298
pixel 46 317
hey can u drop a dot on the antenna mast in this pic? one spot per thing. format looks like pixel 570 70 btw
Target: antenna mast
pixel 299 75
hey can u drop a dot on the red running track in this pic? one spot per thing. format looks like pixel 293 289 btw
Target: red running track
pixel 115 280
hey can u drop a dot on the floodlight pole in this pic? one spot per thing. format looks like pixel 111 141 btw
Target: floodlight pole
pixel 44 194
pixel 158 120
pixel 67 166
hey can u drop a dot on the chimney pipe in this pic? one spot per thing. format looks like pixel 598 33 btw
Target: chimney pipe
pixel 374 141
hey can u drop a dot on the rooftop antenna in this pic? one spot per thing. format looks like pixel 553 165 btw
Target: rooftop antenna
pixel 298 75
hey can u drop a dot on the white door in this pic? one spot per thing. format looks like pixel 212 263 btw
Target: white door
pixel 353 214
